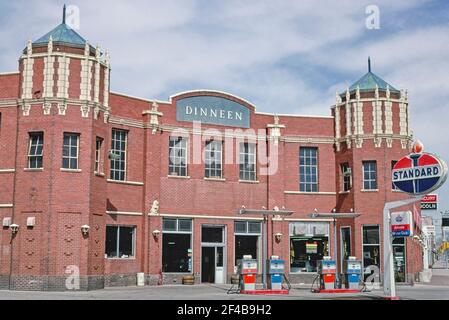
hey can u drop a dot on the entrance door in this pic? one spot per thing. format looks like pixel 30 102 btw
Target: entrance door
pixel 208 264
pixel 399 259
pixel 213 254
pixel 345 244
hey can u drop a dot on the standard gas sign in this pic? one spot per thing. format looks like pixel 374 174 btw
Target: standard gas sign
pixel 401 224
pixel 419 173
pixel 429 202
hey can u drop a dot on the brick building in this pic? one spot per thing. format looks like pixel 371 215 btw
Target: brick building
pixel 109 185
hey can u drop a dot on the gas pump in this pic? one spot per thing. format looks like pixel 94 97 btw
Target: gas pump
pixel 247 269
pixel 327 269
pixel 353 271
pixel 275 268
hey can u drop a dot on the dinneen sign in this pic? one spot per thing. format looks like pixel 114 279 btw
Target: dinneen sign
pixel 213 110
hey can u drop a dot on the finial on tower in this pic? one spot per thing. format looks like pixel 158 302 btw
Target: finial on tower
pixel 369 64
pixel 63 14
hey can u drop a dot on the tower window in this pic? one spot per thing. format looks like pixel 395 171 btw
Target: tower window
pixel 70 151
pixel 369 175
pixel 36 150
pixel 98 147
pixel 346 176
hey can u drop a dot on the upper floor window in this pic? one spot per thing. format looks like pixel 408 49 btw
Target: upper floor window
pixel 346 176
pixel 247 161
pixel 36 150
pixel 70 151
pixel 213 159
pixel 369 175
pixel 308 169
pixel 118 148
pixel 98 147
pixel 393 163
pixel 177 156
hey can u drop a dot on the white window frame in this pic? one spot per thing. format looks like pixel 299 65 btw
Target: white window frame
pixel 98 158
pixel 125 151
pixel 380 246
pixel 176 166
pixel 370 180
pixel 133 257
pixel 70 157
pixel 39 143
pixel 306 184
pixel 259 242
pixel 179 232
pixel 245 155
pixel 208 165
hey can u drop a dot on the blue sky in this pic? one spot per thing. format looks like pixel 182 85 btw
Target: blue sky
pixel 283 56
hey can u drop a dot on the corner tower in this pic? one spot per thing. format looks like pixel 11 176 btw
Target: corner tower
pixel 59 183
pixel 372 131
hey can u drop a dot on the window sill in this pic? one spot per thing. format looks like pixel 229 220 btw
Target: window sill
pixel 178 177
pixel 33 169
pixel 344 192
pixel 398 191
pixel 311 192
pixel 7 170
pixel 249 181
pixel 99 174
pixel 214 179
pixel 369 190
pixel 121 259
pixel 70 170
pixel 132 183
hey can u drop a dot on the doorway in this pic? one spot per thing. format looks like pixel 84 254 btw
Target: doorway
pixel 213 254
pixel 399 259
pixel 345 244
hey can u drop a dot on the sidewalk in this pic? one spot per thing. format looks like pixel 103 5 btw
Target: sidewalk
pixel 440 275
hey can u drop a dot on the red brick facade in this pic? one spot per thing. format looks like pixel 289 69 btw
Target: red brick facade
pixel 38 257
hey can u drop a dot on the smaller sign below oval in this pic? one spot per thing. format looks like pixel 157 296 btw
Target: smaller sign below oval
pixel 401 224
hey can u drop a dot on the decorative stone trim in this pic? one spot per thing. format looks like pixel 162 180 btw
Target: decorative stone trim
pixel 49 71
pixel 325 193
pixel 124 213
pixel 62 107
pixel 96 112
pixel 47 108
pixel 133 183
pixel 26 109
pixel 85 110
pixel 7 170
pixel 275 131
pixel 198 216
pixel 86 79
pixel 63 77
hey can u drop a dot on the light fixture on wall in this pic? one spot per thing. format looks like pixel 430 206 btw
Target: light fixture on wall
pixel 14 228
pixel 278 237
pixel 156 233
pixel 85 229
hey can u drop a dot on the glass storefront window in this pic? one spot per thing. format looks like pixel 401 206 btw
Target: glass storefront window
pixel 212 234
pixel 399 259
pixel 309 242
pixel 176 245
pixel 176 252
pixel 371 247
pixel 306 251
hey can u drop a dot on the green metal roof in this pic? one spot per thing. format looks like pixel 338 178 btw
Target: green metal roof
pixel 369 81
pixel 62 34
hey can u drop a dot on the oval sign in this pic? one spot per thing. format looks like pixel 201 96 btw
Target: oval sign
pixel 419 173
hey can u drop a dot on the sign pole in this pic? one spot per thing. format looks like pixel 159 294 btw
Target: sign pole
pixel 389 281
